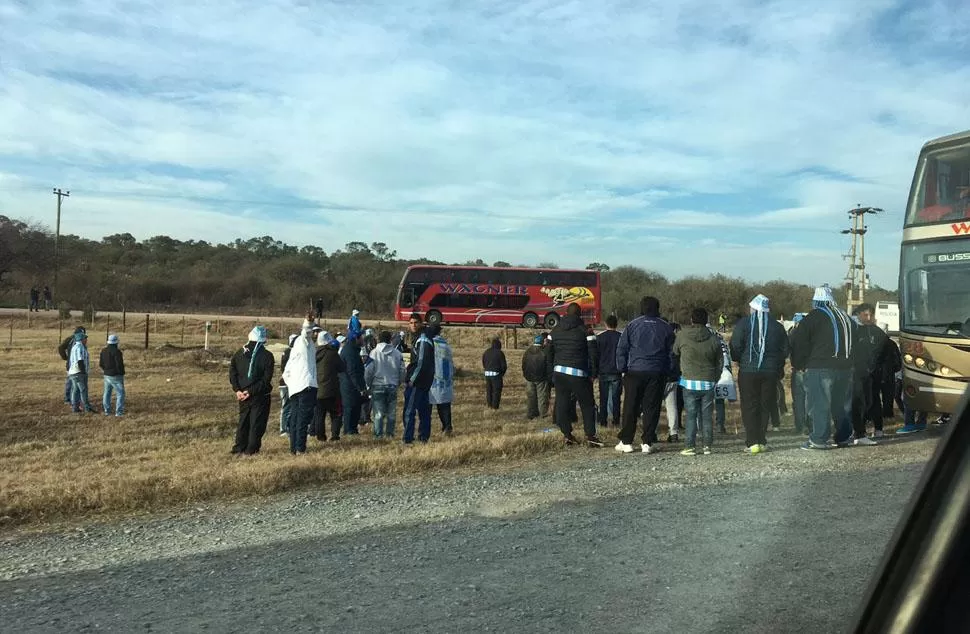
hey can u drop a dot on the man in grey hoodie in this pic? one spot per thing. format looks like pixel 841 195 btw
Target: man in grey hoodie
pixel 383 376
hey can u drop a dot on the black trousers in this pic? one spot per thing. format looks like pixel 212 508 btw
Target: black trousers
pixel 444 415
pixel 253 416
pixel 643 392
pixel 580 387
pixel 866 405
pixel 327 407
pixel 887 389
pixel 759 396
pixel 493 391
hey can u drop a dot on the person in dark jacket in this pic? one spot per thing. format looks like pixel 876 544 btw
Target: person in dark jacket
pixel 112 364
pixel 697 352
pixel 285 391
pixel 822 344
pixel 64 350
pixel 493 361
pixel 329 368
pixel 868 358
pixel 611 382
pixel 251 378
pixel 417 391
pixel 571 359
pixel 892 366
pixel 537 379
pixel 643 355
pixel 674 395
pixel 353 388
pixel 759 344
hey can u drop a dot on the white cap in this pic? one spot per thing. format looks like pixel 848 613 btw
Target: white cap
pixel 760 303
pixel 824 294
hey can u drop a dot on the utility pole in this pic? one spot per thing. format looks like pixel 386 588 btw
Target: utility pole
pixel 856 278
pixel 57 235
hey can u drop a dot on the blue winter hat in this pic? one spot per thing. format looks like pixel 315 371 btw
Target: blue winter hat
pixel 80 336
pixel 538 339
pixel 258 334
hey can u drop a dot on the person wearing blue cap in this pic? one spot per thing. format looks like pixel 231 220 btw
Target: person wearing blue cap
pixel 78 366
pixel 251 378
pixel 537 379
pixel 112 364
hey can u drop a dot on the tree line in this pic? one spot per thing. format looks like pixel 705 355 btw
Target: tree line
pixel 266 276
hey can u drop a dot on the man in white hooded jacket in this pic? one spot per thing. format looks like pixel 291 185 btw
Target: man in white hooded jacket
pixel 383 377
pixel 300 376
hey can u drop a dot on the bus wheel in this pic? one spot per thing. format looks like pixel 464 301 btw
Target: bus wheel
pixel 551 321
pixel 531 320
pixel 433 317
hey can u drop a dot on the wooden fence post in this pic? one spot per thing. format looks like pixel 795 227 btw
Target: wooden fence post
pixel 10 344
pixel 107 326
pixel 183 331
pixel 147 324
pixel 124 320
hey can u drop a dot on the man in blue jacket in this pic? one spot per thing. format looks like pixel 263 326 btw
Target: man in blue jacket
pixel 611 383
pixel 353 388
pixel 419 377
pixel 643 355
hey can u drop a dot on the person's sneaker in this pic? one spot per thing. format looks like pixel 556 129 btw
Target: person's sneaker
pixel 623 447
pixel 283 434
pixel 707 451
pixel 809 445
pixel 594 441
pixel 645 448
pixel 776 428
pixel 911 429
pixel 673 438
pixel 688 451
pixel 753 449
pixel 570 440
pixel 865 441
pixel 878 434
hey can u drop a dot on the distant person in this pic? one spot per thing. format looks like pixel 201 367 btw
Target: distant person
pixel 79 365
pixel 571 359
pixel 251 378
pixel 537 379
pixel 495 365
pixel 442 391
pixel 64 350
pixel 353 387
pixel 383 377
pixel 610 379
pixel 722 323
pixel 285 408
pixel 48 298
pixel 760 346
pixel 643 355
pixel 319 308
pixel 112 363
pixel 329 368
pixel 34 300
pixel 674 397
pixel 353 325
pixel 420 376
pixel 301 380
pixel 868 358
pixel 698 354
pixel 822 344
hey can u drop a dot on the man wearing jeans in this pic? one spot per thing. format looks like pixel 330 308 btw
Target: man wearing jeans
pixel 611 383
pixel 419 376
pixel 301 381
pixel 643 355
pixel 822 344
pixel 112 364
pixel 78 366
pixel 383 376
pixel 699 354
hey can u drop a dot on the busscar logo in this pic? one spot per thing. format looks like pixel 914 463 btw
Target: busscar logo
pixel 945 258
pixel 961 227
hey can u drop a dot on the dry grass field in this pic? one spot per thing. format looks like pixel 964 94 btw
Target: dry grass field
pixel 172 447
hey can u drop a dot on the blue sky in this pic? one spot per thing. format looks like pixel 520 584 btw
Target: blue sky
pixel 687 137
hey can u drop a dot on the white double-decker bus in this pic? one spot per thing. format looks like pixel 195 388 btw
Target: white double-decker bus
pixel 934 277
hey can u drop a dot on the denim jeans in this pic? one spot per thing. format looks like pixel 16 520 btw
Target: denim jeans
pixel 799 400
pixel 699 410
pixel 611 386
pixel 116 384
pixel 829 400
pixel 302 405
pixel 383 405
pixel 719 413
pixel 79 393
pixel 417 404
pixel 68 390
pixel 285 409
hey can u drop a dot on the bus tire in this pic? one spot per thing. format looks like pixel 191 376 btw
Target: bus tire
pixel 531 320
pixel 551 321
pixel 433 318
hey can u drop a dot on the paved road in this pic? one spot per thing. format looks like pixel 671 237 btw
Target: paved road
pixel 785 550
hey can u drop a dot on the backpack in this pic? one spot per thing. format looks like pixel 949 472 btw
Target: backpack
pixel 65 348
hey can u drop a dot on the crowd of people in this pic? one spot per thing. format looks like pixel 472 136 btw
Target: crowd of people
pixel 35 296
pixel 74 352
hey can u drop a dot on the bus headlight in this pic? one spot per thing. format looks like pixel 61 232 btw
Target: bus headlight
pixel 908 358
pixel 945 371
pixel 920 362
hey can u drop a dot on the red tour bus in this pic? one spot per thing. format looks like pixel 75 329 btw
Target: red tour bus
pixel 489 295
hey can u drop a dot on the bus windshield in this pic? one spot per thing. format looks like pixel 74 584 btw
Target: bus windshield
pixel 942 188
pixel 935 288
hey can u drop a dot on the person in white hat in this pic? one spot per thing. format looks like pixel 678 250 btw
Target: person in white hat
pixel 822 344
pixel 112 364
pixel 251 378
pixel 353 325
pixel 759 345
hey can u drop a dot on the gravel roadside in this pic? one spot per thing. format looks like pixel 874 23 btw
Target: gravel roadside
pixel 521 550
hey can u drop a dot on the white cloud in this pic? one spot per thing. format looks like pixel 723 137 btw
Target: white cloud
pixel 503 130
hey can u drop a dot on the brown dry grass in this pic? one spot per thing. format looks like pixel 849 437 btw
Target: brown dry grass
pixel 172 448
